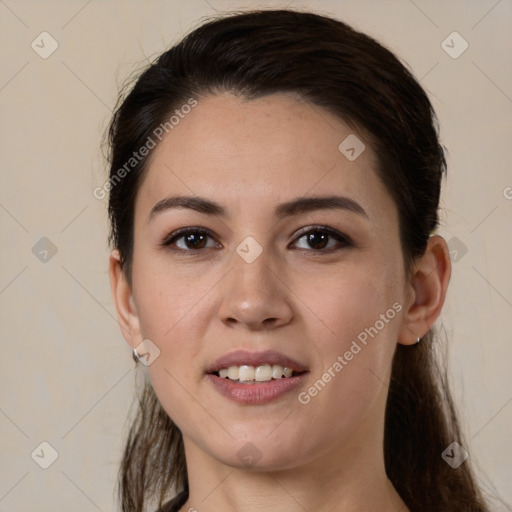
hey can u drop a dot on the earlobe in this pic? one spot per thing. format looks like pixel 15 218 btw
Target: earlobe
pixel 429 283
pixel 123 301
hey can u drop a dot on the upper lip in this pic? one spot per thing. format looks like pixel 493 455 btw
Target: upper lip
pixel 244 357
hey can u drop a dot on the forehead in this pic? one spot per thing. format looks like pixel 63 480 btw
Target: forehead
pixel 256 153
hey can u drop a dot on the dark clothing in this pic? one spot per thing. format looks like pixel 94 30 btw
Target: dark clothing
pixel 176 503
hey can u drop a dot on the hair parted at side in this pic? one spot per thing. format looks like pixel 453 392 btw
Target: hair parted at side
pixel 331 65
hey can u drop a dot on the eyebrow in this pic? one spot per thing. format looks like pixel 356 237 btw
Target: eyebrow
pixel 288 209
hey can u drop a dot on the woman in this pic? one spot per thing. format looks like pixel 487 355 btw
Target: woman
pixel 274 192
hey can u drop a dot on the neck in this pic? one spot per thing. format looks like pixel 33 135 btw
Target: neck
pixel 350 477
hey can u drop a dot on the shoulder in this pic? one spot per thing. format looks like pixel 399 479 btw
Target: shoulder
pixel 175 504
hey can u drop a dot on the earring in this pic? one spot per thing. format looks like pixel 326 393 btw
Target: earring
pixel 418 340
pixel 135 355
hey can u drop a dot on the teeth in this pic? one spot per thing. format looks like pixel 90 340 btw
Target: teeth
pixel 246 373
pixel 287 372
pixel 233 372
pixel 263 373
pixel 277 371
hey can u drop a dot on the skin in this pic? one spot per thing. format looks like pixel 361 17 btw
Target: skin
pixel 250 156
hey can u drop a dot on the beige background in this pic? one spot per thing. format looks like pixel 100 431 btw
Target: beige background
pixel 66 373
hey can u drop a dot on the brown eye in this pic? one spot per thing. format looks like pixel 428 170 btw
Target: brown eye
pixel 193 239
pixel 318 239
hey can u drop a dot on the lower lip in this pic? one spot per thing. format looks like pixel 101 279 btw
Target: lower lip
pixel 257 393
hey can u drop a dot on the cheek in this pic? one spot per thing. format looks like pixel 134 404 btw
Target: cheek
pixel 347 306
pixel 354 340
pixel 171 306
pixel 169 298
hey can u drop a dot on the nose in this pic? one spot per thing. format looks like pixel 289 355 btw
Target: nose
pixel 255 296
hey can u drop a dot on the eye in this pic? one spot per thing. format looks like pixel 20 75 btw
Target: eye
pixel 318 236
pixel 193 239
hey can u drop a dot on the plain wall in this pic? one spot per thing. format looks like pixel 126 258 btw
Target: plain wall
pixel 67 376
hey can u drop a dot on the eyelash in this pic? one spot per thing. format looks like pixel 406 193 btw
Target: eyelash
pixel 340 237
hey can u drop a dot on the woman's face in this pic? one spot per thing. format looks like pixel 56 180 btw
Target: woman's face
pixel 263 279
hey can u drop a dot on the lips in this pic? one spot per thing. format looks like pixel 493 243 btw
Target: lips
pixel 254 392
pixel 244 357
pixel 257 393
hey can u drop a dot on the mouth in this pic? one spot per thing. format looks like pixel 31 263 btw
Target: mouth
pixel 255 377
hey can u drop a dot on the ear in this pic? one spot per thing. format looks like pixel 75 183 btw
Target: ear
pixel 123 300
pixel 427 291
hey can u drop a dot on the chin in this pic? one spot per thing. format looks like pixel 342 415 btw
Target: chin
pixel 257 454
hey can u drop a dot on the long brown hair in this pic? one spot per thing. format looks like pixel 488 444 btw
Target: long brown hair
pixel 335 67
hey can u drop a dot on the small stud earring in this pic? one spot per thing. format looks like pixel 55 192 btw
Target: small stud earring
pixel 418 340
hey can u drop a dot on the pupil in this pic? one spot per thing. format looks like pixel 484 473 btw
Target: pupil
pixel 321 237
pixel 191 238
